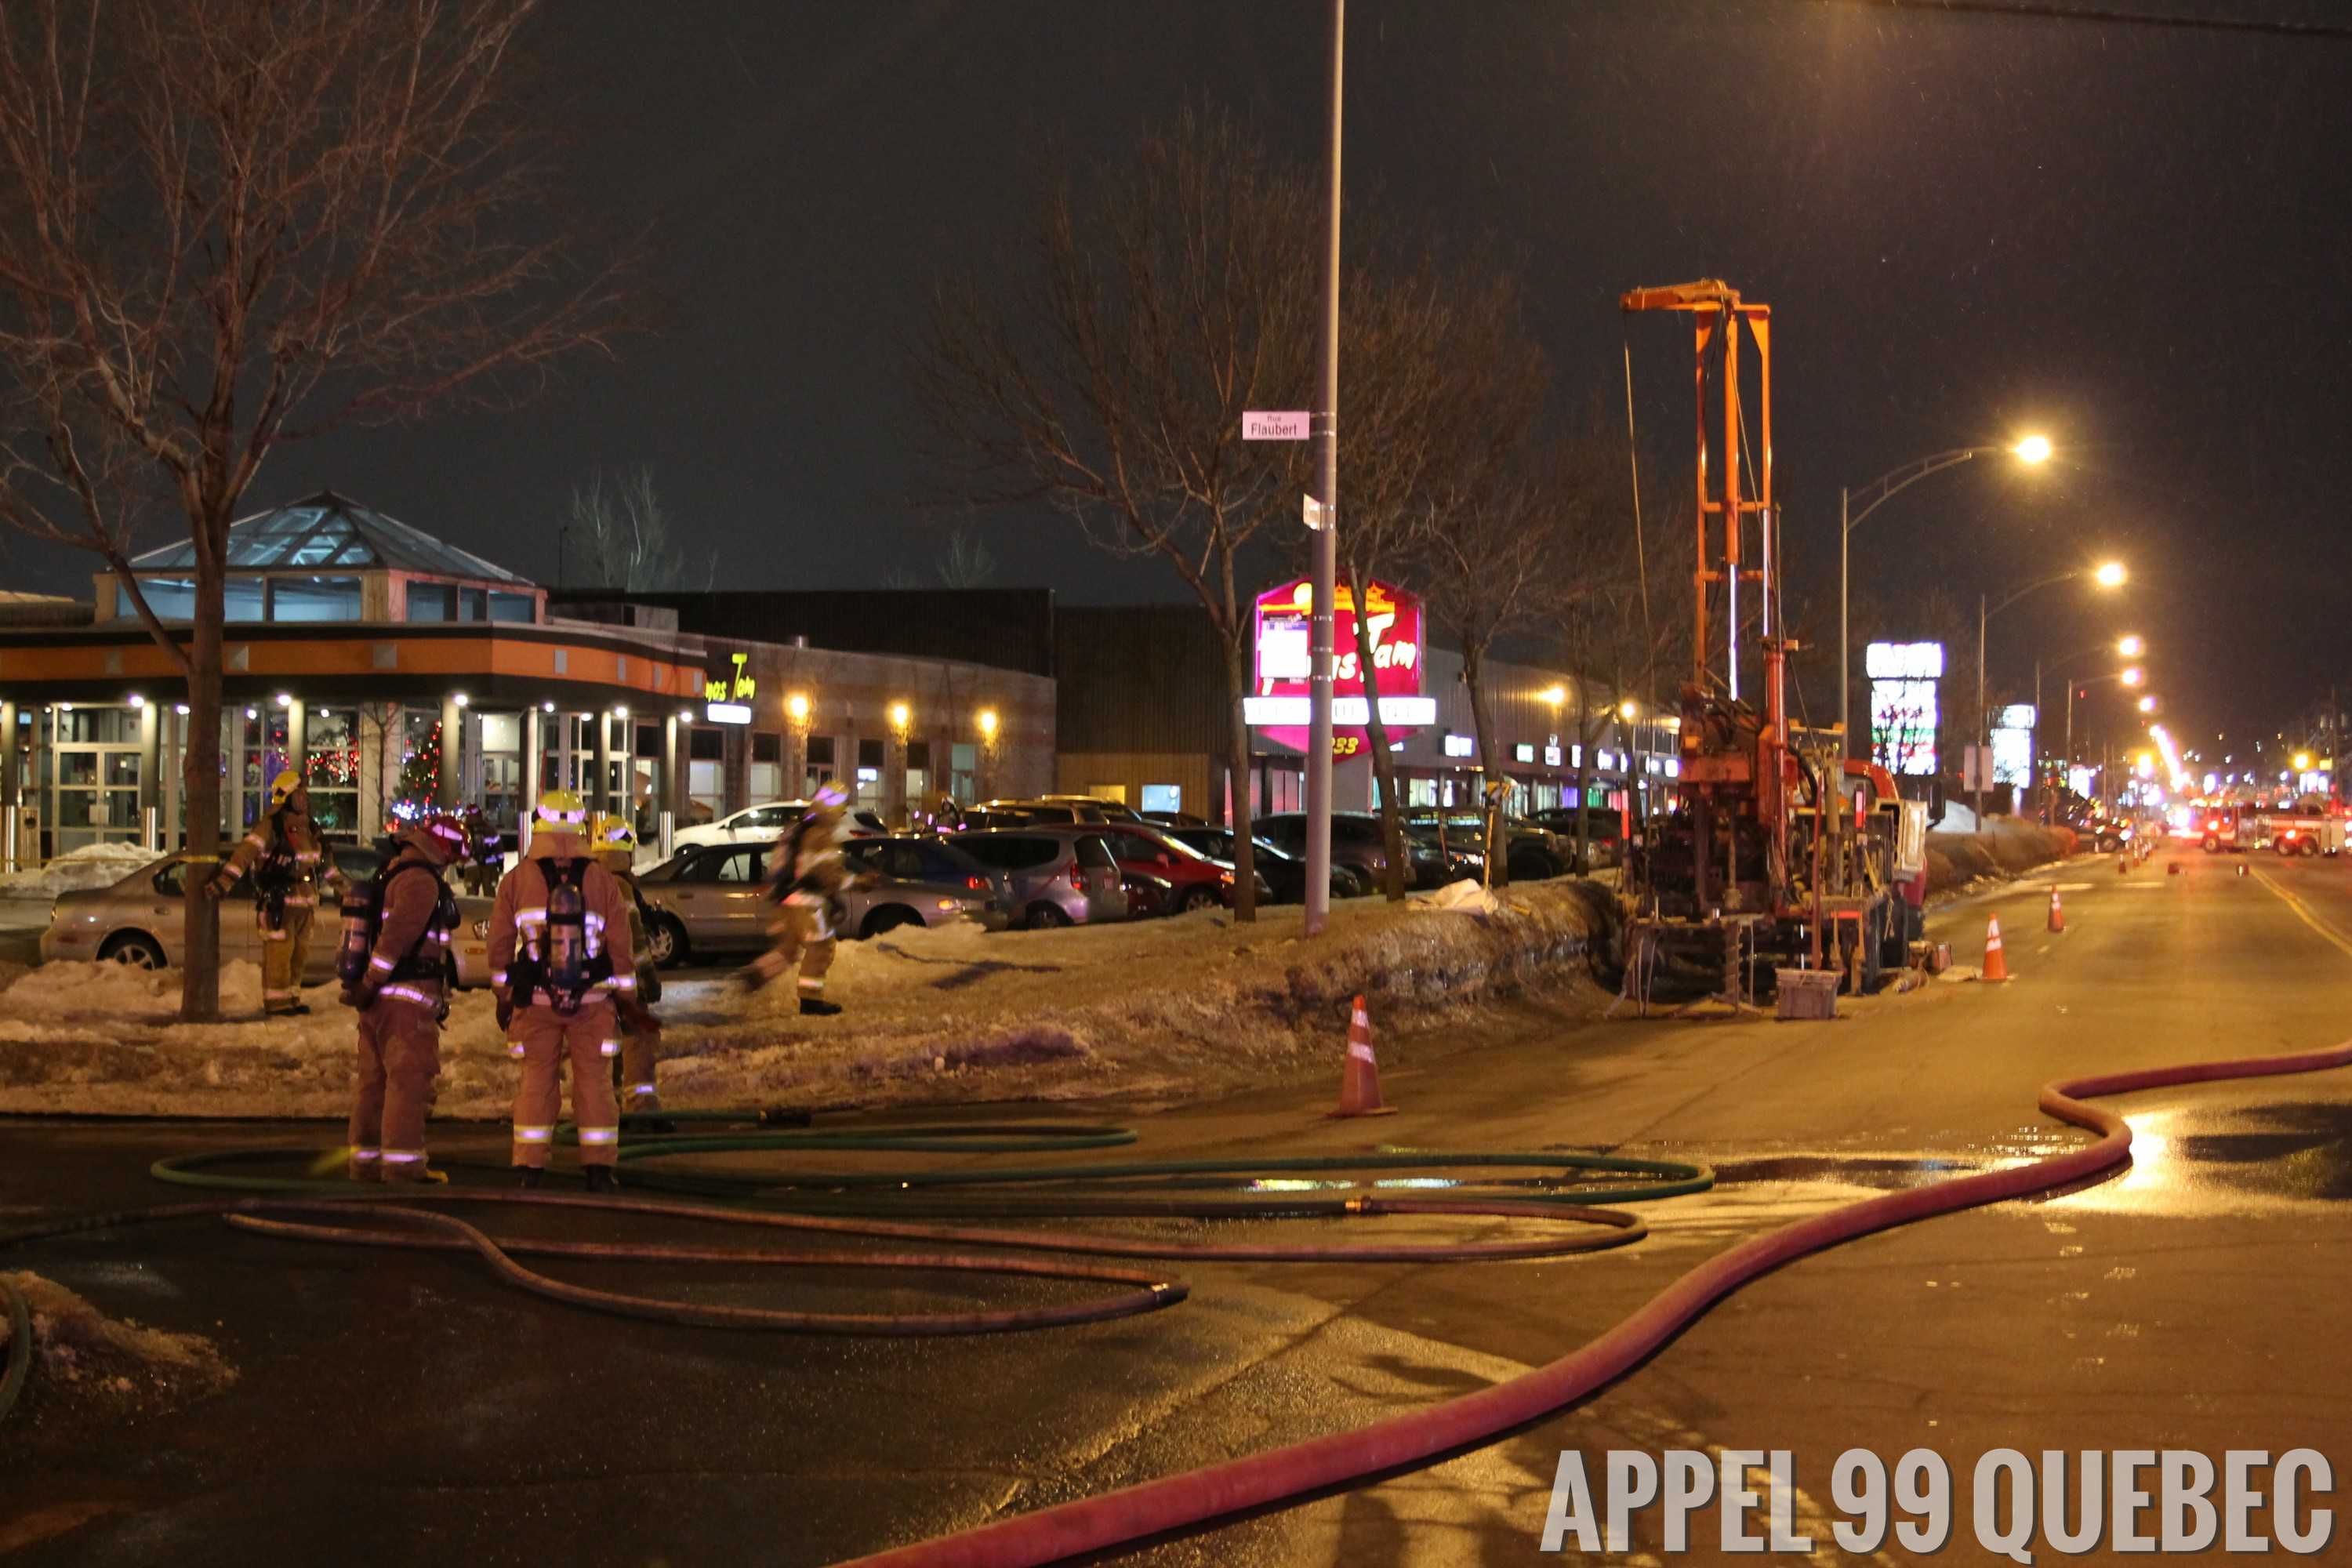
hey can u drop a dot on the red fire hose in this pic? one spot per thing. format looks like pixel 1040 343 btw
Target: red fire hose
pixel 1117 1518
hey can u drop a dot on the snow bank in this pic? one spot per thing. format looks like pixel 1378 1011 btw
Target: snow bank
pixel 89 1367
pixel 1190 1006
pixel 91 866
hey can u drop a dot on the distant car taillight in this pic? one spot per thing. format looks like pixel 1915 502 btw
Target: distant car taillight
pixel 1077 877
pixel 977 884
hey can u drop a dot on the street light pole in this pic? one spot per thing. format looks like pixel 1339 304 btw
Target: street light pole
pixel 2031 450
pixel 1984 723
pixel 1325 429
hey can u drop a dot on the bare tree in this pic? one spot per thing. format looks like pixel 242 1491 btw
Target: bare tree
pixel 1445 385
pixel 967 562
pixel 619 537
pixel 1103 370
pixel 224 225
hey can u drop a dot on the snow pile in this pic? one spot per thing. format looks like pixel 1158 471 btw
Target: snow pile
pixel 91 866
pixel 1463 897
pixel 1192 1005
pixel 89 1365
pixel 56 992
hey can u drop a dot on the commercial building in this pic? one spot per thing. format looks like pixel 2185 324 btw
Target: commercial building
pixel 396 672
pixel 1143 719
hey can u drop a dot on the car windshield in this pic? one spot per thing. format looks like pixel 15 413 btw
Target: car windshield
pixel 1009 851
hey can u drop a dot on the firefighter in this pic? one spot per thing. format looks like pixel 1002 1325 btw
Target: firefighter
pixel 396 970
pixel 556 978
pixel 288 863
pixel 806 874
pixel 617 851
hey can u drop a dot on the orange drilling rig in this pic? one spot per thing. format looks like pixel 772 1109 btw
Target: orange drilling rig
pixel 1781 853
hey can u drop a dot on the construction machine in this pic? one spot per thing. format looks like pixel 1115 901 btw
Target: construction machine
pixel 1781 853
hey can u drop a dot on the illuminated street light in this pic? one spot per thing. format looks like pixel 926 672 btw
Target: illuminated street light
pixel 797 706
pixel 1555 695
pixel 900 715
pixel 2303 762
pixel 1627 709
pixel 2147 704
pixel 988 723
pixel 2132 646
pixel 2132 676
pixel 2110 574
pixel 2033 449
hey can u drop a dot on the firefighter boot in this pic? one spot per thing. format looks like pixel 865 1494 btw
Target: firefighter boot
pixel 602 1179
pixel 818 1007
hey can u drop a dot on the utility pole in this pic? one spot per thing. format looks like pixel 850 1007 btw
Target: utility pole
pixel 1324 428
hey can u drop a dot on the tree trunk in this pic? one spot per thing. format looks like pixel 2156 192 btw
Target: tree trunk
pixel 1237 774
pixel 1474 676
pixel 1584 739
pixel 1376 736
pixel 201 799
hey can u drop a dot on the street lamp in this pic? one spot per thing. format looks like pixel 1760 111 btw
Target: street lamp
pixel 2131 646
pixel 2030 450
pixel 2106 575
pixel 2132 677
pixel 2147 704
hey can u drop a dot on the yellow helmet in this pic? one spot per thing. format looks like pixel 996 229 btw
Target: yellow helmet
pixel 615 833
pixel 282 788
pixel 562 811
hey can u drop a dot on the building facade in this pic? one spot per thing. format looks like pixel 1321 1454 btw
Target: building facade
pixel 1143 719
pixel 396 673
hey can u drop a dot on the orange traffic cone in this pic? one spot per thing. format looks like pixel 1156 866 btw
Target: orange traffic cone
pixel 2123 864
pixel 2057 913
pixel 1996 967
pixel 1360 1080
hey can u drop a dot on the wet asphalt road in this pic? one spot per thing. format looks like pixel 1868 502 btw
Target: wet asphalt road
pixel 399 1408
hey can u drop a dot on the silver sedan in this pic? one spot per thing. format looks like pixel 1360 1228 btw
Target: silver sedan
pixel 142 920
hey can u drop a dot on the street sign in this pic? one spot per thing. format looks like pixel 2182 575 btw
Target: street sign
pixel 1266 426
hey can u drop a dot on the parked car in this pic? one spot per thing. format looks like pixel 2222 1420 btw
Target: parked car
pixel 1109 810
pixel 1282 876
pixel 1535 851
pixel 1064 810
pixel 1172 819
pixel 1357 844
pixel 1606 833
pixel 761 825
pixel 1196 881
pixel 1055 876
pixel 714 899
pixel 142 920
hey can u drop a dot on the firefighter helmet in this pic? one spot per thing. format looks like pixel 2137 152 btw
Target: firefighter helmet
pixel 282 788
pixel 438 832
pixel 830 795
pixel 561 811
pixel 615 833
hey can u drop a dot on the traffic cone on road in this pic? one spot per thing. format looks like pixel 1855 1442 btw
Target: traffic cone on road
pixel 2123 864
pixel 1360 1080
pixel 1996 967
pixel 2057 911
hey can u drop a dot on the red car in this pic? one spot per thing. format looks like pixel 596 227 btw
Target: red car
pixel 1194 882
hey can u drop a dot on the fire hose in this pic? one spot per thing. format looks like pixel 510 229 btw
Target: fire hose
pixel 1278 1474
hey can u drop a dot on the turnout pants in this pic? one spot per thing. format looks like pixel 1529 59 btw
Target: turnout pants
pixel 804 939
pixel 399 1058
pixel 284 952
pixel 636 1075
pixel 543 1039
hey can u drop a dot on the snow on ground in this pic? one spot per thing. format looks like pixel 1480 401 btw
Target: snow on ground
pixel 1194 1004
pixel 92 1370
pixel 91 866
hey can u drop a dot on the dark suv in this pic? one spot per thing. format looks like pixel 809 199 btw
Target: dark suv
pixel 1356 844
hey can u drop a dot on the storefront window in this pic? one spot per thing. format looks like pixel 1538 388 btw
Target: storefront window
pixel 332 773
pixel 869 775
pixel 432 602
pixel 821 764
pixel 420 762
pixel 501 742
pixel 964 768
pixel 706 774
pixel 516 607
pixel 314 599
pixel 242 599
pixel 1420 791
pixel 767 779
pixel 919 770
pixel 94 776
pixel 263 753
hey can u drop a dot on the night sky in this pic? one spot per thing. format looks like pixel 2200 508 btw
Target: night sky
pixel 1967 226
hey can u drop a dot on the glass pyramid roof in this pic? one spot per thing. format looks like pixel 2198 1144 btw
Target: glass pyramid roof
pixel 325 533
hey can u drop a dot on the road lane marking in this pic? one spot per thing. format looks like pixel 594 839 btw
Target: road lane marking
pixel 2304 913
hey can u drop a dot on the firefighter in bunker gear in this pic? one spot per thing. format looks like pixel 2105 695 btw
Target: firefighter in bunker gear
pixel 617 850
pixel 395 967
pixel 556 982
pixel 288 863
pixel 806 876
